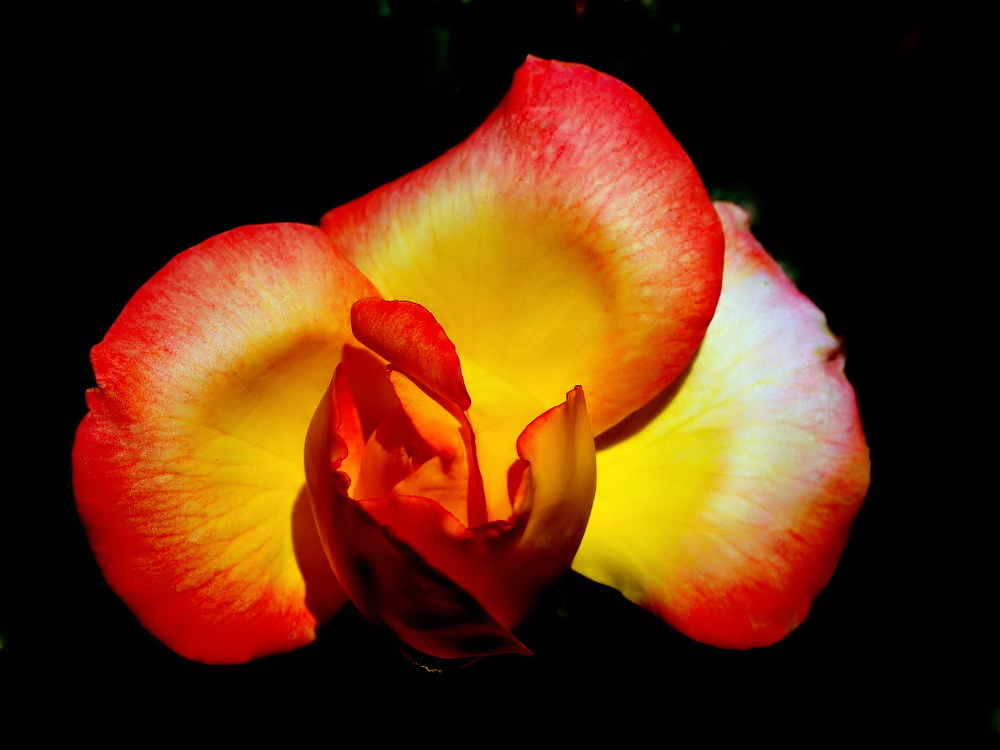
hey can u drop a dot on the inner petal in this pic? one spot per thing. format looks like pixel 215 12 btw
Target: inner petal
pixel 389 457
pixel 444 482
pixel 448 476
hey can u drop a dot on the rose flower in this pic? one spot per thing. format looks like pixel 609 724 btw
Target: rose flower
pixel 400 407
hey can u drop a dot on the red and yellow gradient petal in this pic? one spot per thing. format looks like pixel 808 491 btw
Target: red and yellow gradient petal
pixel 188 468
pixel 725 505
pixel 569 240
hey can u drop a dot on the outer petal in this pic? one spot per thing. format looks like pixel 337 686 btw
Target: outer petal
pixel 188 469
pixel 727 509
pixel 568 240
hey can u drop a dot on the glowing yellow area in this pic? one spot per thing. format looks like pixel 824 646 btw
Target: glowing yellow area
pixel 651 496
pixel 697 486
pixel 268 400
pixel 500 411
pixel 239 469
pixel 519 292
pixel 231 501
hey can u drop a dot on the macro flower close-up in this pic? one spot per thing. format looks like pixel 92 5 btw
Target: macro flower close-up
pixel 546 350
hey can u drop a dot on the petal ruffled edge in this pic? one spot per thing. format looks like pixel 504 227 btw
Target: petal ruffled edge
pixel 188 470
pixel 725 506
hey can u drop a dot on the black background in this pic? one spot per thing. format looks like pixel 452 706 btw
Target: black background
pixel 840 129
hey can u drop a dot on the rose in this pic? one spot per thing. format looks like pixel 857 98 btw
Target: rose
pixel 550 279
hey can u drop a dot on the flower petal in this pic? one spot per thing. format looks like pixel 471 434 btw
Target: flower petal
pixel 557 489
pixel 188 469
pixel 407 335
pixel 568 240
pixel 724 507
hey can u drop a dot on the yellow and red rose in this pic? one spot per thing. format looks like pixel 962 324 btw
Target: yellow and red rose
pixel 400 407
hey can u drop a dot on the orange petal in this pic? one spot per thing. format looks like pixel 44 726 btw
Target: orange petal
pixel 506 565
pixel 390 582
pixel 724 506
pixel 188 469
pixel 568 240
pixel 557 492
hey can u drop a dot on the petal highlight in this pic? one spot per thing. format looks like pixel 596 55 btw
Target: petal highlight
pixel 568 240
pixel 188 470
pixel 725 505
